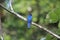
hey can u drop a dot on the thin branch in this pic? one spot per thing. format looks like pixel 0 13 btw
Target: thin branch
pixel 21 17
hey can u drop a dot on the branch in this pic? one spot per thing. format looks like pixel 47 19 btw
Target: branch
pixel 21 17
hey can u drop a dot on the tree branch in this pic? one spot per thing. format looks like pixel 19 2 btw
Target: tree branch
pixel 21 17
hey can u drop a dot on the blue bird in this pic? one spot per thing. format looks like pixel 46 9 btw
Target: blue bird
pixel 29 20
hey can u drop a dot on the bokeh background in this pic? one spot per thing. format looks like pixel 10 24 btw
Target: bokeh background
pixel 45 13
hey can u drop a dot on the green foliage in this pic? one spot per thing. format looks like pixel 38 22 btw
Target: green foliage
pixel 52 17
pixel 50 37
pixel 58 31
pixel 59 25
pixel 57 11
pixel 7 37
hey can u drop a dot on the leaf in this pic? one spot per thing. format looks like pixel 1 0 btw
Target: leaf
pixel 59 25
pixel 57 12
pixel 7 37
pixel 52 17
pixel 49 37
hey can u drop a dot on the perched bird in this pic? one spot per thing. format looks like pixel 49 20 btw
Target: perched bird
pixel 29 20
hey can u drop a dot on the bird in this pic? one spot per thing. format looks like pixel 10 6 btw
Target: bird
pixel 29 20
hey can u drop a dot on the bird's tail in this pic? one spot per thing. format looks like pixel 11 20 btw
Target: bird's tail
pixel 29 24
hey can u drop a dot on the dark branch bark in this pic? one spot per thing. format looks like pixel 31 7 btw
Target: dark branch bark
pixel 21 17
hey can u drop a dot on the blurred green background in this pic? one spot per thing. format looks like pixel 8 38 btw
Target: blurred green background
pixel 45 13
